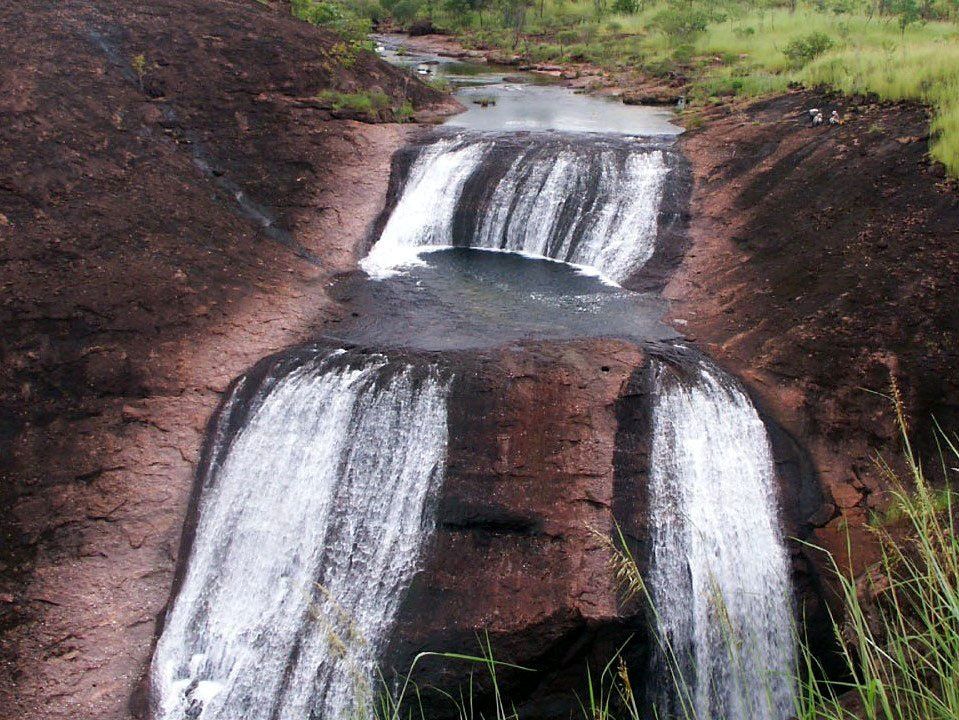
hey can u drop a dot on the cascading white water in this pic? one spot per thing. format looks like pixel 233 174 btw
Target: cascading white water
pixel 590 210
pixel 720 575
pixel 590 204
pixel 309 529
pixel 424 213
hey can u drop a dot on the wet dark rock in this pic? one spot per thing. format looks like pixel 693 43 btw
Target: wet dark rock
pixel 549 451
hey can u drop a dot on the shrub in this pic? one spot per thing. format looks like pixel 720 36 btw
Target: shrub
pixel 405 11
pixel 441 84
pixel 802 50
pixel 317 12
pixel 334 16
pixel 625 7
pixel 405 112
pixel 367 103
pixel 567 37
pixel 369 9
pixel 681 25
pixel 683 54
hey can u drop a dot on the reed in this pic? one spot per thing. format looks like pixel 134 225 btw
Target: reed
pixel 898 636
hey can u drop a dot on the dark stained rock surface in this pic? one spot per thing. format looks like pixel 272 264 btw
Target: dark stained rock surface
pixel 823 261
pixel 156 239
pixel 530 478
pixel 548 455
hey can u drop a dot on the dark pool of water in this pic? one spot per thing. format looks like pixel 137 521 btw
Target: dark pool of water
pixel 463 298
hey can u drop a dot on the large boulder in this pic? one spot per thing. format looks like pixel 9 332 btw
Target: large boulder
pixel 548 453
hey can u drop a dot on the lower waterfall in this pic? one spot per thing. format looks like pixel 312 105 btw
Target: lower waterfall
pixel 720 578
pixel 308 532
pixel 590 202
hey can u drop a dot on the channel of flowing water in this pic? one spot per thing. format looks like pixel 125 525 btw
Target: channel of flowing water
pixel 308 529
pixel 316 494
pixel 720 574
pixel 590 202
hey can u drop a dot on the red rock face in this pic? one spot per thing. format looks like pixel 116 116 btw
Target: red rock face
pixel 135 288
pixel 821 265
pixel 548 448
pixel 530 480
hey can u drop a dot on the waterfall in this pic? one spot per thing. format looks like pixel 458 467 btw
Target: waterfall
pixel 590 202
pixel 309 525
pixel 720 575
pixel 424 214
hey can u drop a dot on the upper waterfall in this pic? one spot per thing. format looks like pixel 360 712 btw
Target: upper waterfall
pixel 720 578
pixel 309 527
pixel 593 202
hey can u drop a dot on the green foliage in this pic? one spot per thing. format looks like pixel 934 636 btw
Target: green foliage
pixel 370 10
pixel 404 113
pixel 893 49
pixel 347 21
pixel 907 11
pixel 899 632
pixel 317 12
pixel 926 70
pixel 139 65
pixel 440 84
pixel 682 24
pixel 625 7
pixel 802 50
pixel 405 11
pixel 567 37
pixel 372 105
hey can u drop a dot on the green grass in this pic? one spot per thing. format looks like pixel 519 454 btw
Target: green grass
pixel 743 49
pixel 899 633
pixel 372 104
pixel 924 70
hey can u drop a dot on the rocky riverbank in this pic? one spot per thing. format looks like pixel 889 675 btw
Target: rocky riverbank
pixel 818 270
pixel 172 205
pixel 170 220
pixel 821 267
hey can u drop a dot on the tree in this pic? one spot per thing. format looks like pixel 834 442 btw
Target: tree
pixel 908 12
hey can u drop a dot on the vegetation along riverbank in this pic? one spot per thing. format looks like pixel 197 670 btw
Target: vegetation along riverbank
pixel 706 52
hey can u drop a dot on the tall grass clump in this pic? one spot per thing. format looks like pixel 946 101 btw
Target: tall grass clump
pixel 401 699
pixel 926 72
pixel 898 637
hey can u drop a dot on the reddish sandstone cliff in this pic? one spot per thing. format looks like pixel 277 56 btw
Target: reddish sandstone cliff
pixel 135 286
pixel 823 261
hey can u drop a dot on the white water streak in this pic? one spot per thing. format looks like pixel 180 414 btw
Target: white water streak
pixel 308 535
pixel 720 574
pixel 424 214
pixel 590 208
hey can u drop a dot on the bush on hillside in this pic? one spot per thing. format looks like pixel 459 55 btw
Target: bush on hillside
pixel 800 51
pixel 681 25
